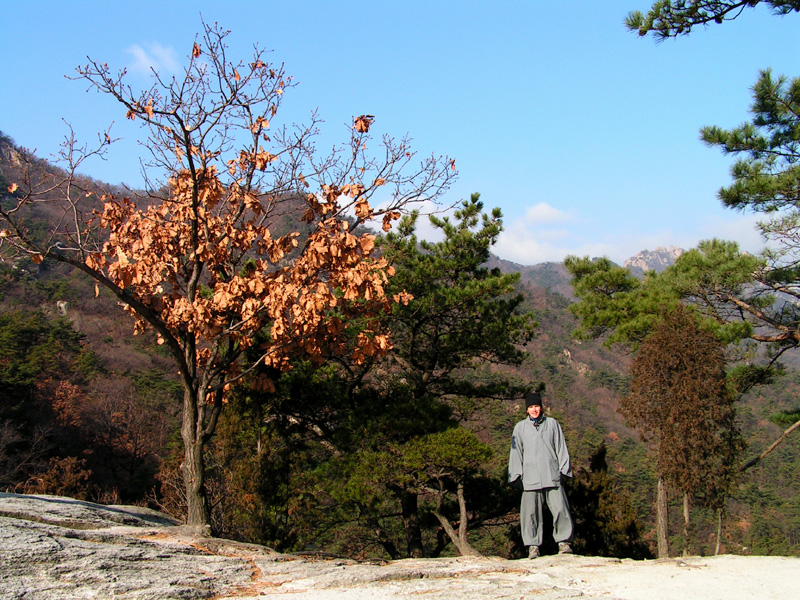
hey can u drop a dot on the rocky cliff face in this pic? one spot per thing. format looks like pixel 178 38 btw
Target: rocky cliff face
pixel 60 548
pixel 653 260
pixel 8 151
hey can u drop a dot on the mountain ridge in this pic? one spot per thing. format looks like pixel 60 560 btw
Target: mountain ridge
pixel 584 383
pixel 555 277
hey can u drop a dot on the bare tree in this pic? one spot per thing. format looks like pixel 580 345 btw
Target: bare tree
pixel 204 257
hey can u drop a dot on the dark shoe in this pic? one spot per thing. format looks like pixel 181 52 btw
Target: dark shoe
pixel 533 551
pixel 564 548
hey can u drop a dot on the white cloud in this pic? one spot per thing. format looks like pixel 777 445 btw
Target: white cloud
pixel 739 228
pixel 426 231
pixel 543 234
pixel 543 213
pixel 546 234
pixel 527 244
pixel 154 56
pixel 528 250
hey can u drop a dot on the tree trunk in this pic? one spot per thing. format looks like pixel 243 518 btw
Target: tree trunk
pixel 193 465
pixel 719 531
pixel 662 520
pixel 384 540
pixel 686 524
pixel 461 544
pixel 441 543
pixel 409 503
pixel 772 447
pixel 462 509
pixel 459 539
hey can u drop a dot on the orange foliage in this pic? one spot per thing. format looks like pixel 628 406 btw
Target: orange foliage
pixel 362 123
pixel 157 252
pixel 201 265
pixel 66 477
pixel 67 401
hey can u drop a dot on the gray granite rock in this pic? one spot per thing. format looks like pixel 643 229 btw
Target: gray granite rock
pixel 59 548
pixel 64 548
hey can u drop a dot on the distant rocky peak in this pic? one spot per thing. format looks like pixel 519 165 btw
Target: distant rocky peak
pixel 8 152
pixel 653 260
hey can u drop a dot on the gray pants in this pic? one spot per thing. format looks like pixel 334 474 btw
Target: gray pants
pixel 530 514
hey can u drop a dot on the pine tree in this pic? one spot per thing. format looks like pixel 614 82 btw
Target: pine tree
pixel 671 18
pixel 398 426
pixel 766 180
pixel 680 402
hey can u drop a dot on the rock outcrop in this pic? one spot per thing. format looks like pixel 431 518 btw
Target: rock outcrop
pixel 653 260
pixel 61 548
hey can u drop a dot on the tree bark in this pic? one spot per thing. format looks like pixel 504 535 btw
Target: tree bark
pixel 462 509
pixel 459 539
pixel 462 545
pixel 409 504
pixel 772 447
pixel 193 465
pixel 662 520
pixel 441 543
pixel 686 524
pixel 384 540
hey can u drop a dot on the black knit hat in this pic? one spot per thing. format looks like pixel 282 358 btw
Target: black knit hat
pixel 533 399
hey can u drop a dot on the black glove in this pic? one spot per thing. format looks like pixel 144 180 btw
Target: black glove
pixel 517 483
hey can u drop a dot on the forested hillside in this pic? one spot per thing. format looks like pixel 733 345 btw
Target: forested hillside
pixel 335 457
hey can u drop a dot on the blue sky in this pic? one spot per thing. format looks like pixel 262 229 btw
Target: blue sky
pixel 584 134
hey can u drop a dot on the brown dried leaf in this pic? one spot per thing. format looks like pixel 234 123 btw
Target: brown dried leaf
pixel 388 218
pixel 363 123
pixel 363 209
pixel 403 298
pixel 262 159
pixel 260 123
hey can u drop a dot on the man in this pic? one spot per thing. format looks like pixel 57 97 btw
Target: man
pixel 539 464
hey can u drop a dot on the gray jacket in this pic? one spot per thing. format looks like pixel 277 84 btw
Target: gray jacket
pixel 538 455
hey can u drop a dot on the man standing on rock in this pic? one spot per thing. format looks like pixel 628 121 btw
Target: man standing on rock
pixel 539 464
